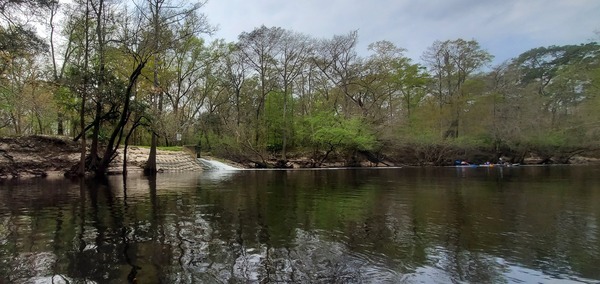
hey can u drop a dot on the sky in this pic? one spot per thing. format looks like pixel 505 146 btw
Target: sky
pixel 505 28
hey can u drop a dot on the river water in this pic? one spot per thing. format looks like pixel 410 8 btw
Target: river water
pixel 407 225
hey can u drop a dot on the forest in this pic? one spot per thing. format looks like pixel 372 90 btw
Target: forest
pixel 109 74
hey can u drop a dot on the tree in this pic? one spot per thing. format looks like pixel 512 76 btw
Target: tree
pixel 295 49
pixel 165 19
pixel 260 48
pixel 337 60
pixel 512 108
pixel 560 74
pixel 58 72
pixel 102 18
pixel 203 90
pixel 25 103
pixel 17 36
pixel 19 47
pixel 134 41
pixel 329 132
pixel 380 79
pixel 235 73
pixel 119 128
pixel 393 88
pixel 185 74
pixel 450 64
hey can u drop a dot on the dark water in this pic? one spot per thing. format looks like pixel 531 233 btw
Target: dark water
pixel 413 225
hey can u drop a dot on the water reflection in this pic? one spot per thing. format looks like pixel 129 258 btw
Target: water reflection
pixel 342 226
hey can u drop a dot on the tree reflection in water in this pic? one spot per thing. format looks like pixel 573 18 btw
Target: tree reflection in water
pixel 361 226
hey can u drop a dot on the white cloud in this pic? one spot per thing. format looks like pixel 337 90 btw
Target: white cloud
pixel 506 28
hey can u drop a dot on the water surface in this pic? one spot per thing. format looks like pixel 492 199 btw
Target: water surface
pixel 409 225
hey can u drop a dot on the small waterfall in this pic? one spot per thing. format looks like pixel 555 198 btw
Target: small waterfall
pixel 213 165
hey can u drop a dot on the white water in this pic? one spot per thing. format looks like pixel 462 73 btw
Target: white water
pixel 213 165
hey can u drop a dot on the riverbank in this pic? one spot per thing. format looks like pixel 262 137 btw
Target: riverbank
pixel 41 156
pixel 411 156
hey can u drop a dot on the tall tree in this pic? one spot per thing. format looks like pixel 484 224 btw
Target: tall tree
pixel 84 93
pixel 17 35
pixel 451 63
pixel 260 48
pixel 138 48
pixel 78 30
pixel 100 9
pixel 560 74
pixel 235 74
pixel 337 60
pixel 165 19
pixel 394 87
pixel 58 70
pixel 295 50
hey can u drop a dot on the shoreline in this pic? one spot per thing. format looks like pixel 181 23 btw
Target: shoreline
pixel 47 156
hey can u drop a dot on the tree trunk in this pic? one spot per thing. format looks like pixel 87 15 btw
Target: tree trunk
pixel 100 82
pixel 131 131
pixel 83 149
pixel 284 127
pixel 112 146
pixel 60 121
pixel 95 136
pixel 150 167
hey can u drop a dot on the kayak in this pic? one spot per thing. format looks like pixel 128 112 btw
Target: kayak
pixel 487 165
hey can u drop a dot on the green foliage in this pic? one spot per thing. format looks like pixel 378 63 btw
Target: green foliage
pixel 65 99
pixel 274 120
pixel 170 148
pixel 275 90
pixel 165 148
pixel 542 64
pixel 326 130
pixel 20 41
pixel 553 139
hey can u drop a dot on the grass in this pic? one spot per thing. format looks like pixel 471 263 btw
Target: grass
pixel 170 148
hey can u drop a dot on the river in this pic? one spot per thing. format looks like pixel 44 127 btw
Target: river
pixel 406 225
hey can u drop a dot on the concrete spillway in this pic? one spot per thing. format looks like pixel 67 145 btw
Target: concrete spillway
pixel 212 165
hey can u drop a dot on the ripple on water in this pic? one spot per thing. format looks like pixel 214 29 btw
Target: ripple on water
pixel 420 226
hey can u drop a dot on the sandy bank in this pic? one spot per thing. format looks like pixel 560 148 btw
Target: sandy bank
pixel 43 155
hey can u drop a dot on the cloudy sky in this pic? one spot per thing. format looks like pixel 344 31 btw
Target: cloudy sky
pixel 505 28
